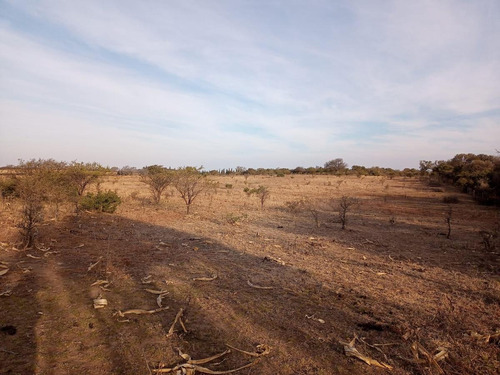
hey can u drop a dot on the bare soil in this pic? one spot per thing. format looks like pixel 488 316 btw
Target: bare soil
pixel 391 279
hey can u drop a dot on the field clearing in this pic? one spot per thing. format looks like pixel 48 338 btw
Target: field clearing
pixel 391 278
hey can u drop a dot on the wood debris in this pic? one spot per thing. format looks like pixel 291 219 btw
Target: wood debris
pixel 6 293
pixel 33 257
pixel 273 259
pixel 100 302
pixel 214 276
pixel 258 286
pixel 178 318
pixel 432 360
pixel 146 280
pixel 262 350
pixel 94 264
pixel 314 318
pixel 153 291
pixel 486 338
pixel 139 312
pixel 351 351
pixel 192 366
pixel 159 300
pixel 103 284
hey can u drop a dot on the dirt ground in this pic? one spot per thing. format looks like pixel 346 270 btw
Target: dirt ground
pixel 391 278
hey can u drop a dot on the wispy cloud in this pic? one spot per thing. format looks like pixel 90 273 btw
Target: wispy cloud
pixel 248 83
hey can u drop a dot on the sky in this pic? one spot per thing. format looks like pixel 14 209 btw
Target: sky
pixel 226 83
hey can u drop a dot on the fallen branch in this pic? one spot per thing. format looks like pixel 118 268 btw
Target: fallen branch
pixel 351 351
pixel 214 276
pixel 418 348
pixel 191 366
pixel 94 264
pixel 177 318
pixel 258 286
pixel 139 311
pixel 314 318
pixel 152 291
pixel 262 350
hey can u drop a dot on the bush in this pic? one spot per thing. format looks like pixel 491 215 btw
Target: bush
pixel 102 201
pixel 8 188
pixel 450 199
pixel 229 186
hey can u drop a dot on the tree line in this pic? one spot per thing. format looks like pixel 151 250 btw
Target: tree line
pixel 478 175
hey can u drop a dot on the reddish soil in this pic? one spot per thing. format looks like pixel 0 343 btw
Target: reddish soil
pixel 392 278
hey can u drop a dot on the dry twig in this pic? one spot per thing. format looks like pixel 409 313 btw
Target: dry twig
pixel 351 351
pixel 258 286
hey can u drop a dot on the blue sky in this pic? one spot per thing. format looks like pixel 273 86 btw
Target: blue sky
pixel 248 83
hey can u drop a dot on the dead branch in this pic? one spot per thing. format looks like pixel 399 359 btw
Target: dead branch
pixel 258 286
pixel 139 311
pixel 262 350
pixel 214 276
pixel 351 351
pixel 177 318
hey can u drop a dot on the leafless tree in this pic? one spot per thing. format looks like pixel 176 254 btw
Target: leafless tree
pixel 345 205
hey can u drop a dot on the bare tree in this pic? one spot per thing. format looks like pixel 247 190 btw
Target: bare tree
pixel 345 205
pixel 157 178
pixel 189 182
pixel 449 213
pixel 32 189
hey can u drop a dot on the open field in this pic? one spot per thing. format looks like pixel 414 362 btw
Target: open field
pixel 391 278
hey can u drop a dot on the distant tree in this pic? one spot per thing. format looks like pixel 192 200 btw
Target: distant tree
pixel 425 167
pixel 336 165
pixel 298 170
pixel 240 170
pixel 158 178
pixel 189 182
pixel 261 192
pixel 359 170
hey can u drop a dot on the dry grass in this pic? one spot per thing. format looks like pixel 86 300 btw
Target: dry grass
pixel 392 278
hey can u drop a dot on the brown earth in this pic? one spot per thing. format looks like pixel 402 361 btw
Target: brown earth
pixel 392 278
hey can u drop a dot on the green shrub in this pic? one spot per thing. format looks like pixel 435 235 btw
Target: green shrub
pixel 102 201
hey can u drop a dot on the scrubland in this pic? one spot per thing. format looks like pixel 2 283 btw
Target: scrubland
pixel 284 276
